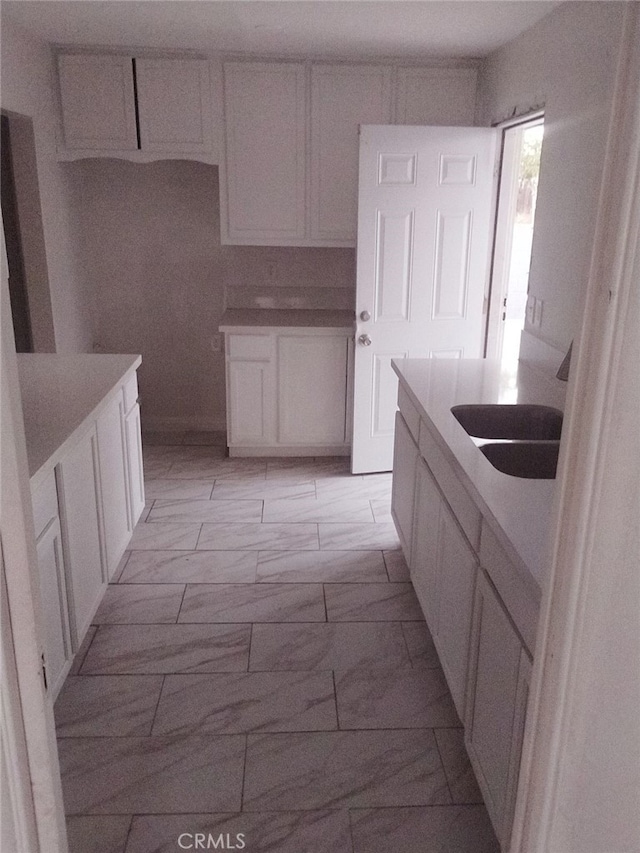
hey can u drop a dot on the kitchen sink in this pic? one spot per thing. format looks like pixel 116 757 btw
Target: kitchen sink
pixel 520 421
pixel 530 459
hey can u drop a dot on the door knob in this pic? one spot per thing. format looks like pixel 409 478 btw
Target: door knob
pixel 364 340
pixel 365 316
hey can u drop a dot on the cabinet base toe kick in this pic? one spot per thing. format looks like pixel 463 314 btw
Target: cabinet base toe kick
pixel 292 450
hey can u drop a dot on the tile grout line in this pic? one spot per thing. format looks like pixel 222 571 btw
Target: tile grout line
pixel 184 593
pixel 116 580
pixel 249 652
pixel 442 764
pixel 84 657
pixel 350 821
pixel 244 772
pixel 406 643
pixel 126 841
pixel 335 697
pixel 155 712
pixel 386 568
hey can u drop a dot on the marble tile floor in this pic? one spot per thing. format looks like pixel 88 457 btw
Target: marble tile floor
pixel 259 673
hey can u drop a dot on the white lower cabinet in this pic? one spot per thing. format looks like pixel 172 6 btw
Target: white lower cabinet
pixel 483 654
pixel 405 458
pixel 498 693
pixel 312 389
pixel 425 556
pixel 443 571
pixel 250 413
pixel 287 393
pixel 456 583
pixel 114 482
pixel 84 513
pixel 135 471
pixel 54 605
pixel 77 478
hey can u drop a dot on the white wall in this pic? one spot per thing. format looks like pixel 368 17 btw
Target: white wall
pixel 27 75
pixel 151 242
pixel 567 64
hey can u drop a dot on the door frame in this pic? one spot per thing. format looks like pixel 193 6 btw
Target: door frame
pixel 501 250
pixel 35 779
pixel 562 805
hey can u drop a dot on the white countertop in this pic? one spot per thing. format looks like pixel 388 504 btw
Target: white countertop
pixel 517 510
pixel 244 319
pixel 60 393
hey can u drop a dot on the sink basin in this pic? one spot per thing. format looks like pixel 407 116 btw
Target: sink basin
pixel 521 421
pixel 530 459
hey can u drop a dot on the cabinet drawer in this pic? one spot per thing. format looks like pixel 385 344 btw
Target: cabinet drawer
pixel 130 392
pixel 45 504
pixel 409 413
pixel 464 509
pixel 250 347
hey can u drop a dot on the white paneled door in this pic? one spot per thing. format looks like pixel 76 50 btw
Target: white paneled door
pixel 424 229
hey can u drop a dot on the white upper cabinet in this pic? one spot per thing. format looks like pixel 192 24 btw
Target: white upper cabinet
pixel 292 141
pixel 174 104
pixel 436 96
pixel 98 102
pixel 265 153
pixel 120 103
pixel 342 98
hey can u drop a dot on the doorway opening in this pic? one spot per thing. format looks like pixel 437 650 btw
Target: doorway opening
pixel 515 222
pixel 13 242
pixel 29 289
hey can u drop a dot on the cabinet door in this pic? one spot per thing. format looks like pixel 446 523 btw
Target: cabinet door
pixel 98 104
pixel 498 690
pixel 250 403
pixel 114 484
pixel 312 389
pixel 457 572
pixel 54 606
pixel 77 480
pixel 265 152
pixel 174 104
pixel 436 96
pixel 425 550
pixel 135 471
pixel 405 458
pixel 342 98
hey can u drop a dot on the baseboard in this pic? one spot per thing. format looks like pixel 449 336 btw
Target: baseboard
pixel 291 450
pixel 154 423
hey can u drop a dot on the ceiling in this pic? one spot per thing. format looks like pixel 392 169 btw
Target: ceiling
pixel 349 28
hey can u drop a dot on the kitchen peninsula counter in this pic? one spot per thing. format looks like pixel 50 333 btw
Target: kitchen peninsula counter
pixel 61 394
